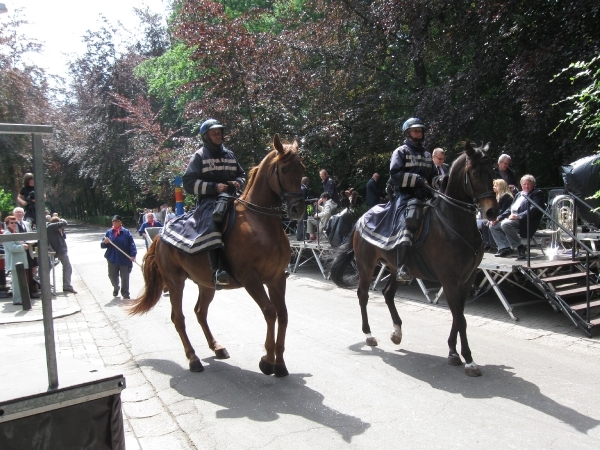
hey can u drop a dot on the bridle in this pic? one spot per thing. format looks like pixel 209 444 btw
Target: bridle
pixel 470 208
pixel 274 211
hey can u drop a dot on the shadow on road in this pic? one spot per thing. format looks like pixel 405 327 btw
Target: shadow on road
pixel 497 381
pixel 243 393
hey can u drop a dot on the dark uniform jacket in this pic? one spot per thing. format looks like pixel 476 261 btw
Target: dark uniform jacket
pixel 410 167
pixel 209 167
pixel 196 231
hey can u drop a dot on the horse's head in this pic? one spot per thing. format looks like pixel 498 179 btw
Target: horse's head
pixel 475 179
pixel 287 177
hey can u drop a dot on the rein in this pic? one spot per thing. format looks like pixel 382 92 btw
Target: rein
pixel 273 211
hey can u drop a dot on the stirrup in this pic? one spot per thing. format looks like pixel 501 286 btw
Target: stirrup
pixel 402 275
pixel 221 278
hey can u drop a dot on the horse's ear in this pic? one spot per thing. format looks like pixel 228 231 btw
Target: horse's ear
pixel 469 150
pixel 295 145
pixel 277 143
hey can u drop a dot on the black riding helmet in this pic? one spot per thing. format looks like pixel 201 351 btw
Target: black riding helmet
pixel 209 125
pixel 413 122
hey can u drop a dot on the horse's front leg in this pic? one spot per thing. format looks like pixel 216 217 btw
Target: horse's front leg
pixel 277 296
pixel 205 297
pixel 364 283
pixel 257 292
pixel 389 293
pixel 456 298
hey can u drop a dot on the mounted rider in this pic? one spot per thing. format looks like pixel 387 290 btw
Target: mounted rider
pixel 214 175
pixel 411 171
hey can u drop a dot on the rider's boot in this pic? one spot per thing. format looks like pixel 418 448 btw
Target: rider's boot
pixel 401 252
pixel 220 276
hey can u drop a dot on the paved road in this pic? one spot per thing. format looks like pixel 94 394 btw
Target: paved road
pixel 539 388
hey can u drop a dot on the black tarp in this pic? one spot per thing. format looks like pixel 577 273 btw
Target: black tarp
pixel 582 178
pixel 95 424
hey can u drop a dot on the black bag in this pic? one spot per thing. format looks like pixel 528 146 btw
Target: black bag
pixel 338 228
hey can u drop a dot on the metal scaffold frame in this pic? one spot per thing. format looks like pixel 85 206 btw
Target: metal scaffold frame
pixel 36 132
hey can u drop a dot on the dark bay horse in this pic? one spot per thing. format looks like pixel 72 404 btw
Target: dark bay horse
pixel 257 249
pixel 450 253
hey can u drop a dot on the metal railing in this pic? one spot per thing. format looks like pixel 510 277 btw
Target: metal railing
pixel 573 235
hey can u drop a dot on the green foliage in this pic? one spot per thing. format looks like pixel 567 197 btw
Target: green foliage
pixel 7 203
pixel 586 113
pixel 166 75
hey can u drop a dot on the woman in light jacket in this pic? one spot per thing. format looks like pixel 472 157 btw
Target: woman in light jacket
pixel 14 252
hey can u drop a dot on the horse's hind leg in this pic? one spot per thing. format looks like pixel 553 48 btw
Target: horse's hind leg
pixel 389 293
pixel 175 286
pixel 205 297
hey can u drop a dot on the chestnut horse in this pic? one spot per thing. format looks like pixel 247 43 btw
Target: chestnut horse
pixel 257 250
pixel 450 253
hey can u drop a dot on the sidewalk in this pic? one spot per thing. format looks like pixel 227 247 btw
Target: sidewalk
pixel 62 305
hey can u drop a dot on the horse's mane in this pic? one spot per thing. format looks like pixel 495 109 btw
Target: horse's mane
pixel 272 158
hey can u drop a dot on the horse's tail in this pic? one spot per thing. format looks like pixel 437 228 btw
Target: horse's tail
pixel 343 271
pixel 153 283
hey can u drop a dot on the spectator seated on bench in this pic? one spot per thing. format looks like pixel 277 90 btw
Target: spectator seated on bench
pixel 325 208
pixel 511 224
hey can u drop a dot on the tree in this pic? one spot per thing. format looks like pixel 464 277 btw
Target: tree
pixel 23 99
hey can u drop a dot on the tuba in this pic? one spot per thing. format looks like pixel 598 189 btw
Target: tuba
pixel 563 212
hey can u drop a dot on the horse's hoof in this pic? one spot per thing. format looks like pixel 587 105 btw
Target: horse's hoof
pixel 454 359
pixel 396 335
pixel 266 368
pixel 222 353
pixel 196 366
pixel 472 370
pixel 372 341
pixel 280 370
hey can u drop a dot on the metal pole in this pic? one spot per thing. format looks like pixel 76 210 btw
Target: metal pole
pixel 20 278
pixel 43 261
pixel 115 246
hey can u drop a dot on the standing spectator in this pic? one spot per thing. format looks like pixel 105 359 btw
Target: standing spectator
pixel 15 252
pixel 506 173
pixel 151 223
pixel 330 187
pixel 301 228
pixel 439 156
pixel 26 198
pixel 161 215
pixel 142 217
pixel 374 192
pixel 56 240
pixel 170 215
pixel 119 265
pixel 23 226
